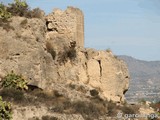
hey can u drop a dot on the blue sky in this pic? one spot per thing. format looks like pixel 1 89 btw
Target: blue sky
pixel 127 27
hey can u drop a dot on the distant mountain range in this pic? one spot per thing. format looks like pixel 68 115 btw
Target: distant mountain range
pixel 145 79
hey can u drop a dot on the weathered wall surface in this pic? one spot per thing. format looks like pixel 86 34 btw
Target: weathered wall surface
pixel 68 25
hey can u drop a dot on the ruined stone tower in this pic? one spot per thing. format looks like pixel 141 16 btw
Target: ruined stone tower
pixel 67 25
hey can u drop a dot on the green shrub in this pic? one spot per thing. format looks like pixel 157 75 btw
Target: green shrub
pixel 5 110
pixel 18 8
pixel 14 81
pixel 4 14
pixel 21 8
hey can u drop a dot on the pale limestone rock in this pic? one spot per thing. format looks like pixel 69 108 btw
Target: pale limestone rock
pixel 94 73
pixel 82 74
pixel 28 55
pixel 23 51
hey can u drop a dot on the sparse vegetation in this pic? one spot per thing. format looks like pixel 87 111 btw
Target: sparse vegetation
pixel 111 107
pixel 68 53
pixel 108 50
pixel 6 25
pixel 49 118
pixel 36 13
pixel 14 95
pixel 128 110
pixel 4 14
pixel 89 110
pixel 18 8
pixel 5 110
pixel 13 80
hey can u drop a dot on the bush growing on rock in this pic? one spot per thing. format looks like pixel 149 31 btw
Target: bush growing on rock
pixel 5 110
pixel 18 8
pixel 13 80
pixel 68 53
pixel 4 14
pixel 21 8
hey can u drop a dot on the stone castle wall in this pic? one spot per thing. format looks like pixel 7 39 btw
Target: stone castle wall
pixel 68 25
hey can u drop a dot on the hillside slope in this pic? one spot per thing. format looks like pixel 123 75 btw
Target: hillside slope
pixel 145 78
pixel 49 53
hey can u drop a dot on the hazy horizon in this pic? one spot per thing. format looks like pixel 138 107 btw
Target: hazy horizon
pixel 127 27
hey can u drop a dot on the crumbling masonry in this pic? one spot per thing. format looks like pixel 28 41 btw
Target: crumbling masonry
pixel 68 25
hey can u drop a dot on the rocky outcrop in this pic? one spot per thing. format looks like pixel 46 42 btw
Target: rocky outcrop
pixel 22 49
pixel 100 70
pixel 33 48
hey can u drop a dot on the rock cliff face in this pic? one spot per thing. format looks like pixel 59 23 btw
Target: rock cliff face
pixel 37 49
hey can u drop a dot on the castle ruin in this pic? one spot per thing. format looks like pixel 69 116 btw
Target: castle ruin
pixel 68 25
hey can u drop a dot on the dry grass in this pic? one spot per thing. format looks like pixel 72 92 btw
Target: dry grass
pixel 49 118
pixel 24 11
pixel 5 24
pixel 13 95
